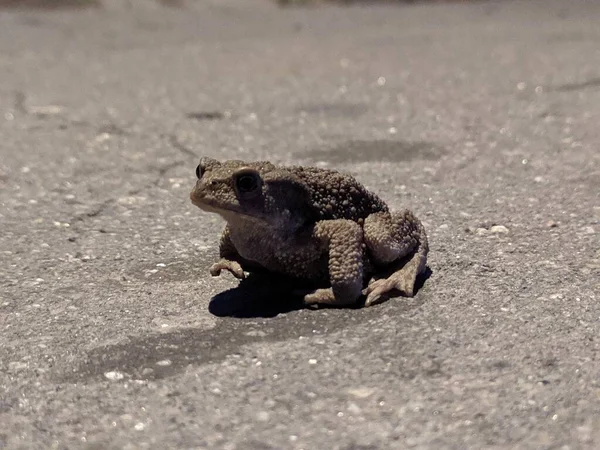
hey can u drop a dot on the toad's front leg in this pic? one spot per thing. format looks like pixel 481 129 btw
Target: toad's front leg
pixel 230 259
pixel 343 240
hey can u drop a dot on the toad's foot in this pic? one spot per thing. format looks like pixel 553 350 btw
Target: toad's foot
pixel 319 296
pixel 326 297
pixel 401 279
pixel 232 266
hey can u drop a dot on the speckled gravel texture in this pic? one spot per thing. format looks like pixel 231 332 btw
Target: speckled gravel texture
pixel 483 118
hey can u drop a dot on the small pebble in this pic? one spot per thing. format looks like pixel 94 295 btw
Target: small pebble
pixel 361 392
pixel 499 229
pixel 16 366
pixel 263 416
pixel 256 333
pixel 114 375
pixel 354 408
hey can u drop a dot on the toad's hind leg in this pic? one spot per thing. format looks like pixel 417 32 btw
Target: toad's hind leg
pixel 342 240
pixel 396 242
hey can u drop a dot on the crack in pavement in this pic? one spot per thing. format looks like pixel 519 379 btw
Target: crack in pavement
pixel 100 208
pixel 179 146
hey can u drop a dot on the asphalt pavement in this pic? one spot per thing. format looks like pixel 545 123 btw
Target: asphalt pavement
pixel 481 117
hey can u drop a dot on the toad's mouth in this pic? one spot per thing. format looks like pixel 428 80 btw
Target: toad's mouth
pixel 208 205
pixel 228 212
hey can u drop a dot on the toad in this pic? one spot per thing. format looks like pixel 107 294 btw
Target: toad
pixel 312 224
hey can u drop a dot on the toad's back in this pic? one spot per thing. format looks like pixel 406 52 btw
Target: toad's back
pixel 335 195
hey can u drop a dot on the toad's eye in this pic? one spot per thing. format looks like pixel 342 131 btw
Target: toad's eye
pixel 199 171
pixel 247 183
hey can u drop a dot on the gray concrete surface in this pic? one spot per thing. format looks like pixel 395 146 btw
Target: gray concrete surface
pixel 113 335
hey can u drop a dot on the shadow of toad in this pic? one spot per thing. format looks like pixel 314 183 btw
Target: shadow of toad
pixel 264 295
pixel 160 355
pixel 260 295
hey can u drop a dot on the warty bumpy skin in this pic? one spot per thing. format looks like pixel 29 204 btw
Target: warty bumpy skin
pixel 314 224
